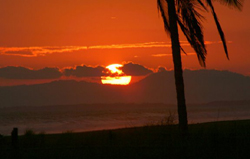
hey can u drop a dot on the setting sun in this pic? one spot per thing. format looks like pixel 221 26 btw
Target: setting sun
pixel 118 78
pixel 114 68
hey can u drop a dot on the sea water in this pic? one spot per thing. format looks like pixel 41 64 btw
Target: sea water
pixel 79 118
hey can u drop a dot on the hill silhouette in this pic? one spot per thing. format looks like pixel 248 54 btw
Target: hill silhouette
pixel 201 86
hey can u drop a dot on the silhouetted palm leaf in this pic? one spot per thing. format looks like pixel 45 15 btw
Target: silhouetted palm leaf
pixel 189 21
pixel 233 3
pixel 162 7
pixel 222 36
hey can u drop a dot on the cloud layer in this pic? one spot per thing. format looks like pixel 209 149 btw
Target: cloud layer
pixel 44 50
pixel 135 69
pixel 85 71
pixel 12 72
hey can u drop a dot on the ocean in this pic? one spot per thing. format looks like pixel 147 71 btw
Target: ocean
pixel 89 117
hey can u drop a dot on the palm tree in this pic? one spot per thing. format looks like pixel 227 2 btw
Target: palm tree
pixel 186 15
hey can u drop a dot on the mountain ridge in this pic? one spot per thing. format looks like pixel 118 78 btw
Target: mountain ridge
pixel 201 86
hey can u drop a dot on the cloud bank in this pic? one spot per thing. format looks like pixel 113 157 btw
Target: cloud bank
pixel 135 69
pixel 85 71
pixel 18 72
pixel 12 72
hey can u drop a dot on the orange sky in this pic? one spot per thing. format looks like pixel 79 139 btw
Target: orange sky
pixel 66 33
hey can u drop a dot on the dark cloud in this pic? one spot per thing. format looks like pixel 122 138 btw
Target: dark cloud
pixel 161 69
pixel 135 69
pixel 85 71
pixel 11 72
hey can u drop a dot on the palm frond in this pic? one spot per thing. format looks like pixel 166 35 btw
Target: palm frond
pixel 202 4
pixel 233 3
pixel 162 7
pixel 189 22
pixel 221 33
pixel 183 50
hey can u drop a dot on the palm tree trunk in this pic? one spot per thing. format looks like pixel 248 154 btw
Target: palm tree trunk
pixel 176 51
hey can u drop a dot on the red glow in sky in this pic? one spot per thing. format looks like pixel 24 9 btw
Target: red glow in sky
pixel 55 33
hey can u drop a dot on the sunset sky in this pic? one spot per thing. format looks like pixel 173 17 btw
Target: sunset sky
pixel 69 33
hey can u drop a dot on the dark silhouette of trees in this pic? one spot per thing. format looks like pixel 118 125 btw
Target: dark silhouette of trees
pixel 186 15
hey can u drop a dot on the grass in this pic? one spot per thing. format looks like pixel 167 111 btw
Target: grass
pixel 229 139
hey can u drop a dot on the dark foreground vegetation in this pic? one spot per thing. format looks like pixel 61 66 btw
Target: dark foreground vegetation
pixel 230 139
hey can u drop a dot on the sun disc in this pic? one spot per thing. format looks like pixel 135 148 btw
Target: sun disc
pixel 118 79
pixel 114 68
